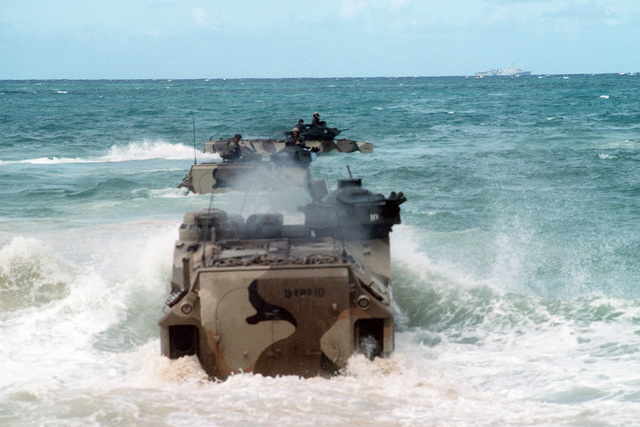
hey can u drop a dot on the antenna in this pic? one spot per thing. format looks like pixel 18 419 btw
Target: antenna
pixel 206 231
pixel 230 126
pixel 349 170
pixel 194 141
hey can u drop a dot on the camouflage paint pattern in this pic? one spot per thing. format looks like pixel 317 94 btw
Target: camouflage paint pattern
pixel 294 305
pixel 267 147
pixel 207 178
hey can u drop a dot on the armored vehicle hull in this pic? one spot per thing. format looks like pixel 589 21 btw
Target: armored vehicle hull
pixel 286 168
pixel 270 146
pixel 207 178
pixel 260 296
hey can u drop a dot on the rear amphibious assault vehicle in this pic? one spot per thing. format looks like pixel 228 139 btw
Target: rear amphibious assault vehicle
pixel 257 295
pixel 322 139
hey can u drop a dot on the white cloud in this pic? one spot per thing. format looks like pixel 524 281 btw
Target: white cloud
pixel 397 4
pixel 500 15
pixel 200 18
pixel 351 8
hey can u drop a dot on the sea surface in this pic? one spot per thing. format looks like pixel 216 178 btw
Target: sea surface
pixel 516 268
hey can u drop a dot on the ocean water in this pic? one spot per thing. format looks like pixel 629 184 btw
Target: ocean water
pixel 515 270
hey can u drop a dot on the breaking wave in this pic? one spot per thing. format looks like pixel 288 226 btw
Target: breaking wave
pixel 135 151
pixel 30 275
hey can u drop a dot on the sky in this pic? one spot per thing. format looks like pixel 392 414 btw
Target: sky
pixel 183 39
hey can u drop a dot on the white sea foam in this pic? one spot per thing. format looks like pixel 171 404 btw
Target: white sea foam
pixel 111 272
pixel 170 193
pixel 624 144
pixel 406 250
pixel 29 275
pixel 413 386
pixel 135 151
pixel 518 372
pixel 518 346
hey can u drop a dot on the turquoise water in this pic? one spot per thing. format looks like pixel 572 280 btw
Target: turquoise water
pixel 515 269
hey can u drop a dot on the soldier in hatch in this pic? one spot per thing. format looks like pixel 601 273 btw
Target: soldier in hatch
pixel 235 153
pixel 295 140
pixel 316 122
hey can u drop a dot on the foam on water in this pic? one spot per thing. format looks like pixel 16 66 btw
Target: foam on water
pixel 135 151
pixel 92 354
pixel 29 275
pixel 156 150
pixel 409 387
pixel 518 345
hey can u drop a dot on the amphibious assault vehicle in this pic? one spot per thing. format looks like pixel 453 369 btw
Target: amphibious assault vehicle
pixel 262 164
pixel 321 139
pixel 245 170
pixel 258 295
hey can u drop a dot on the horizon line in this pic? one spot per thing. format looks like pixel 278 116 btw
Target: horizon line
pixel 307 78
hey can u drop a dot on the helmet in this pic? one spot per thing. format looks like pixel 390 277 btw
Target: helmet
pixel 295 130
pixel 316 114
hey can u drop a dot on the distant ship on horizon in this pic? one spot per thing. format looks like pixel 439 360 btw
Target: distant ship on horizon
pixel 497 72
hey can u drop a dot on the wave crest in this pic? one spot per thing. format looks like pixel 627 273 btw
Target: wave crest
pixel 29 275
pixel 147 149
pixel 134 151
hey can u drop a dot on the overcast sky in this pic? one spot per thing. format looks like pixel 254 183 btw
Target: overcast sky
pixel 130 39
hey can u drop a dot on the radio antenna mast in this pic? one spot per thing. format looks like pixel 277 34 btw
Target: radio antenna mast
pixel 194 141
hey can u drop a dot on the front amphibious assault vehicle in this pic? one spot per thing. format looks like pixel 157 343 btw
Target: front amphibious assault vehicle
pixel 261 296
